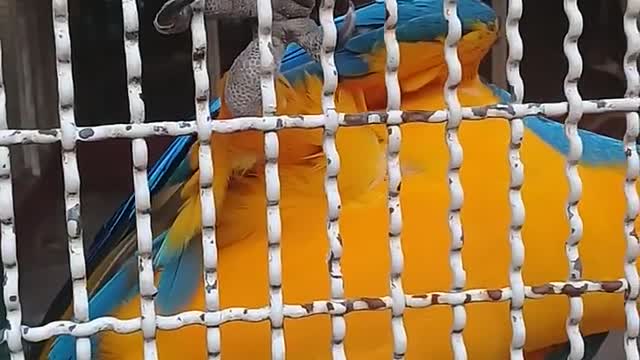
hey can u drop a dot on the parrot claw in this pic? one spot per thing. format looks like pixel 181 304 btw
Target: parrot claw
pixel 242 91
pixel 174 17
pixel 346 31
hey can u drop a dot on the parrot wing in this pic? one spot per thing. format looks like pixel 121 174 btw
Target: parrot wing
pixel 112 270
pixel 598 150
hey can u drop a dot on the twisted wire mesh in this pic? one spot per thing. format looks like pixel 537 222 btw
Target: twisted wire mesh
pixel 68 134
pixel 140 159
pixel 575 183
pixel 630 63
pixel 205 165
pixel 516 167
pixel 275 123
pixel 272 180
pixel 297 311
pixel 330 83
pixel 454 77
pixel 394 119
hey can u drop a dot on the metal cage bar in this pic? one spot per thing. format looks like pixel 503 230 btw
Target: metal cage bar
pixel 162 128
pixel 297 311
pixel 11 298
pixel 68 136
pixel 139 153
pixel 334 203
pixel 394 118
pixel 575 183
pixel 630 63
pixel 205 165
pixel 456 194
pixel 516 84
pixel 272 180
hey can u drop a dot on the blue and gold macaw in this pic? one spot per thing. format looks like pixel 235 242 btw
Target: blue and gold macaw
pixel 241 221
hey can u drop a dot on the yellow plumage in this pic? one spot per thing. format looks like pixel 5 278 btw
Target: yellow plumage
pixel 241 235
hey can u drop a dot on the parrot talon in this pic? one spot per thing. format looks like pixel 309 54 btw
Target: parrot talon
pixel 242 89
pixel 346 31
pixel 174 17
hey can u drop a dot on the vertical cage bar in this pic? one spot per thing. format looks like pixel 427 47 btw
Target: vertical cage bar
pixel 516 84
pixel 205 164
pixel 70 170
pixel 630 64
pixel 330 83
pixel 456 194
pixel 272 181
pixel 11 298
pixel 394 119
pixel 575 184
pixel 140 156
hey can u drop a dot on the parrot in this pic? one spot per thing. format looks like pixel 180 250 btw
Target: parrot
pixel 292 23
pixel 239 189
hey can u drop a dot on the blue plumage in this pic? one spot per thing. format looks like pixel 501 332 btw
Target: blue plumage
pixel 171 168
pixel 418 20
pixel 598 150
pixel 179 269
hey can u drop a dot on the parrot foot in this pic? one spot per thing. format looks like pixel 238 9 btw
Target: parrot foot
pixel 242 91
pixel 174 17
pixel 306 33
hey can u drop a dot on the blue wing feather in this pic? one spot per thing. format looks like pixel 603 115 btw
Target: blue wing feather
pixel 598 150
pixel 116 290
pixel 177 275
pixel 418 20
pixel 171 168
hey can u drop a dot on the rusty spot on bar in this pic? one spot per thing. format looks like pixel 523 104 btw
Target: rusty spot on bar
pixel 86 133
pixel 348 306
pixel 611 286
pixel 355 119
pixel 434 299
pixel 573 291
pixel 374 303
pixel 542 289
pixel 494 295
pixel 479 111
pixel 49 132
pixel 308 307
pixel 199 54
pixel 330 306
pixel 416 116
